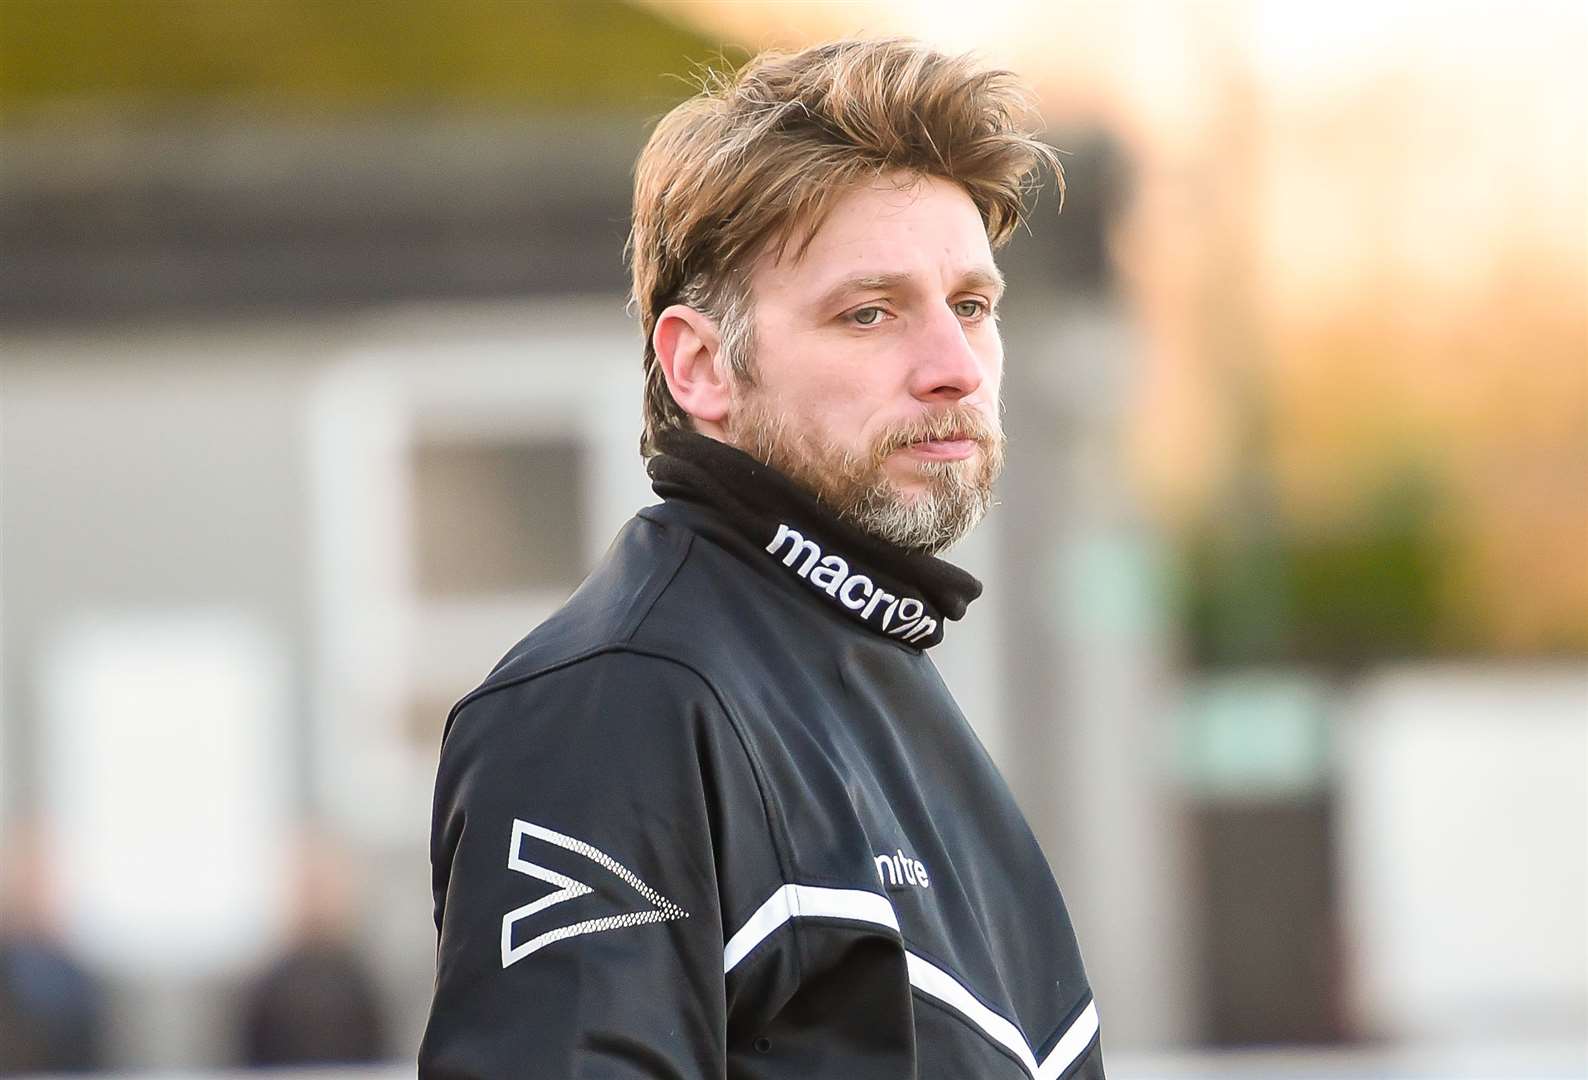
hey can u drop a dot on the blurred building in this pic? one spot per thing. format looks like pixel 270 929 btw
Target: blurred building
pixel 317 391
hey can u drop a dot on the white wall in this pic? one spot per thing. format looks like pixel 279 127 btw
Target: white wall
pixel 1464 853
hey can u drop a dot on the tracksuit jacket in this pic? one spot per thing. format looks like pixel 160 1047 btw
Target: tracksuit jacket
pixel 719 817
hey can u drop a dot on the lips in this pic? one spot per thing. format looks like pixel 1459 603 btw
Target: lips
pixel 952 435
pixel 952 448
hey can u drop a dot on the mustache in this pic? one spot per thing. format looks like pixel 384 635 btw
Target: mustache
pixel 954 422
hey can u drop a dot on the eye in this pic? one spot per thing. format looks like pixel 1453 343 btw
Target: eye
pixel 971 309
pixel 857 316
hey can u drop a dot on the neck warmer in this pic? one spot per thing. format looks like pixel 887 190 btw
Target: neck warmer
pixel 899 594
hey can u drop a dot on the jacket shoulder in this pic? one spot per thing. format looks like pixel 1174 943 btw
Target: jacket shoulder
pixel 617 700
pixel 661 589
pixel 608 607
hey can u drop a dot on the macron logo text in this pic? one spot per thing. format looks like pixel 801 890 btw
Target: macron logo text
pixel 902 617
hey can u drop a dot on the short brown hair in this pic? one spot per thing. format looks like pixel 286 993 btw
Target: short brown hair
pixel 757 159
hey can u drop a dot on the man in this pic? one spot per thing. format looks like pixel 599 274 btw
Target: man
pixel 718 816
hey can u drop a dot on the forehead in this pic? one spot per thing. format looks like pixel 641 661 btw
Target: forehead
pixel 922 226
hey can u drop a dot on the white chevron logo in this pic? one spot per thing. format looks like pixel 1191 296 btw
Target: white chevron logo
pixel 661 910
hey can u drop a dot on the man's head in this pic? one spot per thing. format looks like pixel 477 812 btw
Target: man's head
pixel 812 262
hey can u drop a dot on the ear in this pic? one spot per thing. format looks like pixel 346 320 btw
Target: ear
pixel 687 345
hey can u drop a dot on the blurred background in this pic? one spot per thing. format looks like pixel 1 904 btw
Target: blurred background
pixel 317 391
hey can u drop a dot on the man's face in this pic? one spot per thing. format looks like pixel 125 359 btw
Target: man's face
pixel 877 363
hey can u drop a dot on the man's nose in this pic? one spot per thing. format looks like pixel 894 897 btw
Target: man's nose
pixel 948 368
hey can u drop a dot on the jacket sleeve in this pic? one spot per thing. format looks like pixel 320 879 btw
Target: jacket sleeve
pixel 581 821
pixel 1090 1067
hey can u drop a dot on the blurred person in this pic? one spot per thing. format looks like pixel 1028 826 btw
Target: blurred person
pixel 317 1003
pixel 719 816
pixel 52 1009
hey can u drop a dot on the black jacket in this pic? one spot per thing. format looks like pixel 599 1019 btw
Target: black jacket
pixel 719 817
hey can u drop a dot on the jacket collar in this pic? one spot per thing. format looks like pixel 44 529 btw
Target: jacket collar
pixel 902 595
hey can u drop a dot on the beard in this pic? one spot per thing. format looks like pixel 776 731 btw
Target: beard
pixel 855 485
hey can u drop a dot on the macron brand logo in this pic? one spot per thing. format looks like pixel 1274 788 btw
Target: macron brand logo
pixel 659 909
pixel 903 617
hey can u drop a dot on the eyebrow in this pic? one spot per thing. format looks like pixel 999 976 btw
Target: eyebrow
pixel 974 278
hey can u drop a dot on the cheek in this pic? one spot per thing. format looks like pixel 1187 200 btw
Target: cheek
pixel 843 392
pixel 841 417
pixel 839 397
